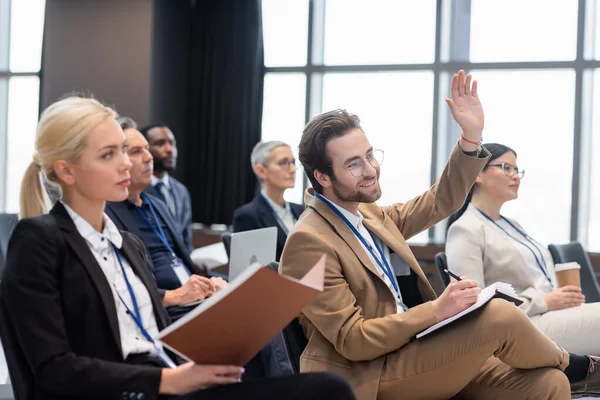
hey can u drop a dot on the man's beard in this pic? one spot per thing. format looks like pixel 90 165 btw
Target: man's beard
pixel 159 165
pixel 347 194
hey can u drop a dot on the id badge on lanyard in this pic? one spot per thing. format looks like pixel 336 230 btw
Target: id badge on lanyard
pixel 181 271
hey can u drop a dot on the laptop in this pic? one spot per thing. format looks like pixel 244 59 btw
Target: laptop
pixel 249 247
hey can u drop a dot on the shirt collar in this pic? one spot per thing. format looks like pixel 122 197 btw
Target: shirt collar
pixel 164 179
pixel 278 209
pixel 355 220
pixel 92 236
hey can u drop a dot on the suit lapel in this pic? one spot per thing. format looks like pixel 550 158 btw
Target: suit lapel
pixel 342 230
pixel 176 196
pixel 138 265
pixel 124 218
pixel 179 249
pixel 79 246
pixel 401 248
pixel 267 219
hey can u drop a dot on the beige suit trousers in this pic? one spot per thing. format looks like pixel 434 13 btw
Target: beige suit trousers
pixel 493 353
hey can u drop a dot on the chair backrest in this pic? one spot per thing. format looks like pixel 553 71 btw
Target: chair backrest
pixel 295 342
pixel 226 239
pixel 7 223
pixel 574 251
pixel 21 376
pixel 441 263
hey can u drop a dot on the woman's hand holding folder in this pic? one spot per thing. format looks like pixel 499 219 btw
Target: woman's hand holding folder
pixel 190 377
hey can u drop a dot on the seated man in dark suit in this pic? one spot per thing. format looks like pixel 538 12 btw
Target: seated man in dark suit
pixel 163 148
pixel 275 167
pixel 179 280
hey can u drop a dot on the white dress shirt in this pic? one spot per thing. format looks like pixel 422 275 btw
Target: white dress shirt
pixel 132 340
pixel 284 213
pixel 539 279
pixel 165 190
pixel 356 221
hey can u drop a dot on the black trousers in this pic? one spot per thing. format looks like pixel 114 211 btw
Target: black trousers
pixel 313 386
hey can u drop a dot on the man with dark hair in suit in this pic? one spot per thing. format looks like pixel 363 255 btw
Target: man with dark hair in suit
pixel 163 148
pixel 275 167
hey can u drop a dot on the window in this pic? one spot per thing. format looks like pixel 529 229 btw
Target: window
pixel 285 26
pixel 23 109
pixel 379 32
pixel 389 61
pixel 512 30
pixel 538 124
pixel 283 119
pixel 21 28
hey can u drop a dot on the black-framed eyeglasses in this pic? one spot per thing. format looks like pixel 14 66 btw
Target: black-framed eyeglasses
pixel 509 170
pixel 357 167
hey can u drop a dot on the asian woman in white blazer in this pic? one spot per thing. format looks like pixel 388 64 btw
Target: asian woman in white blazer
pixel 488 247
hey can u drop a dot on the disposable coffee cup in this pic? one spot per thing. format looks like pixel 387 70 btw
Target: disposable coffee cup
pixel 567 274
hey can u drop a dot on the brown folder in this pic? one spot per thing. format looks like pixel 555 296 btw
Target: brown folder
pixel 232 326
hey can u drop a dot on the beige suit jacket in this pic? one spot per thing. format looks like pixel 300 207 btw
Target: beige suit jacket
pixel 354 324
pixel 477 248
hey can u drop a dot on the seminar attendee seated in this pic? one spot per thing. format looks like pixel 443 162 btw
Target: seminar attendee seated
pixel 79 294
pixel 275 167
pixel 174 271
pixel 376 298
pixel 488 247
pixel 179 280
pixel 163 148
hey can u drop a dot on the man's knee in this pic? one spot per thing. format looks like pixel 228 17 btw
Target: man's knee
pixel 552 384
pixel 502 314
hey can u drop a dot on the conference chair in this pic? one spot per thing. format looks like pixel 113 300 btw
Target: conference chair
pixel 441 263
pixel 574 251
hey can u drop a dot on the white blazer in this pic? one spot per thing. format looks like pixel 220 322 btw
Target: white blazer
pixel 477 248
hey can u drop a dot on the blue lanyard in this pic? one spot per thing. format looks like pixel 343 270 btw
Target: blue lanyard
pixel 137 316
pixel 159 232
pixel 543 268
pixel 382 261
pixel 279 220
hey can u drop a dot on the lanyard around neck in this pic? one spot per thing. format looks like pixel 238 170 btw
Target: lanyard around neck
pixel 543 268
pixel 381 260
pixel 157 231
pixel 280 222
pixel 136 315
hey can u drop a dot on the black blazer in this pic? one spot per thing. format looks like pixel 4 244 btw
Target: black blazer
pixel 63 312
pixel 183 209
pixel 121 216
pixel 258 214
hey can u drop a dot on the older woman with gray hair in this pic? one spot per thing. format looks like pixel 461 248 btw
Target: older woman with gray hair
pixel 275 167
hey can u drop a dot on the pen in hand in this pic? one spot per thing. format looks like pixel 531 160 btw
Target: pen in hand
pixel 452 275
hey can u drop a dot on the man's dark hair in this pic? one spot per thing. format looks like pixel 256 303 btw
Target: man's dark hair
pixel 147 128
pixel 312 150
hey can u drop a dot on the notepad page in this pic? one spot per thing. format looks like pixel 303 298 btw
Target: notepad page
pixel 486 295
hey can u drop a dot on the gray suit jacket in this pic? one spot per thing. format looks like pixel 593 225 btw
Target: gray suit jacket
pixel 183 209
pixel 476 248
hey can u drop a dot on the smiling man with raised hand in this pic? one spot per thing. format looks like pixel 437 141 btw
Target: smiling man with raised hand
pixel 376 298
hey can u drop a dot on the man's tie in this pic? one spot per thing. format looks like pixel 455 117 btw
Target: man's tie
pixel 165 195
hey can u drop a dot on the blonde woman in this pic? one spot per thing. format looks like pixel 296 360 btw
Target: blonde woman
pixel 79 293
